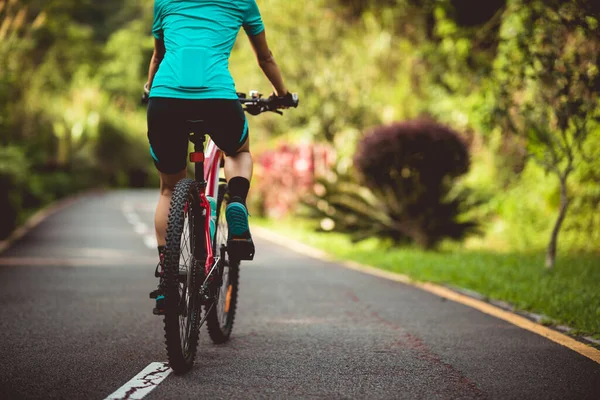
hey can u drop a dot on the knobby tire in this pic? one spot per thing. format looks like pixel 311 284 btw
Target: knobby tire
pixel 220 324
pixel 182 317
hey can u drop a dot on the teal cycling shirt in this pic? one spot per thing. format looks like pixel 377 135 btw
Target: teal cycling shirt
pixel 199 36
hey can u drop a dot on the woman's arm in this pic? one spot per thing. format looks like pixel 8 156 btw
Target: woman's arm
pixel 157 57
pixel 267 63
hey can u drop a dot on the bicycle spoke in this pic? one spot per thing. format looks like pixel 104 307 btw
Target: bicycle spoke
pixel 187 303
pixel 221 313
pixel 223 293
pixel 221 240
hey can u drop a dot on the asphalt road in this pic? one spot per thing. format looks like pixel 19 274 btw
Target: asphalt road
pixel 76 323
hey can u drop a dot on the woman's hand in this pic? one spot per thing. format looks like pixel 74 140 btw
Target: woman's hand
pixel 286 101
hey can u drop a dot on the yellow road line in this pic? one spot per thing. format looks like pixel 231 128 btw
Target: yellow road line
pixel 486 308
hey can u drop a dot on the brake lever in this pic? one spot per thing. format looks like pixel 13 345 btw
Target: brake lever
pixel 253 110
pixel 268 109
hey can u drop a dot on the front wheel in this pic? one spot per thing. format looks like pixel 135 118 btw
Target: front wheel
pixel 182 277
pixel 220 318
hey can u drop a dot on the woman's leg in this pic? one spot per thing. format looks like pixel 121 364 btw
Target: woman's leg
pixel 229 129
pixel 238 171
pixel 168 139
pixel 167 186
pixel 240 165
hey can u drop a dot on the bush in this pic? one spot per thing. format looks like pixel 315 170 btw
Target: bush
pixel 341 204
pixel 411 168
pixel 405 191
pixel 13 174
pixel 25 188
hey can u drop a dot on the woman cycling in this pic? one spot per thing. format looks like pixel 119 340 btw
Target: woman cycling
pixel 189 80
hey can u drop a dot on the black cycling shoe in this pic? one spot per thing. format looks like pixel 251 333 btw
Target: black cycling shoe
pixel 159 293
pixel 159 296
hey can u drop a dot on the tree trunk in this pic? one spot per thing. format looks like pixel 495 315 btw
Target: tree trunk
pixel 564 205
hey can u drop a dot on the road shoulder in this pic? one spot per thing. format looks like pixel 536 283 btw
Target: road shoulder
pixel 41 215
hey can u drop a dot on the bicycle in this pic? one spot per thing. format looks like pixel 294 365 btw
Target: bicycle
pixel 209 275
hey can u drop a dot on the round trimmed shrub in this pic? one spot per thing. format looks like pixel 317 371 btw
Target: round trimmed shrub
pixel 411 168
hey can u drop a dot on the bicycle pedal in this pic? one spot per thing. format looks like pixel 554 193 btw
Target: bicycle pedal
pixel 155 293
pixel 156 311
pixel 240 249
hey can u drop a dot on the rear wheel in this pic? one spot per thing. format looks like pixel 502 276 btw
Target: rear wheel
pixel 182 276
pixel 220 318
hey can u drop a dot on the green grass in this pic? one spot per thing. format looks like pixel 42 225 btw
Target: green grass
pixel 568 295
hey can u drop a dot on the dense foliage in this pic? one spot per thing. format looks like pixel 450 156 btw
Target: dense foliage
pixel 70 74
pixel 484 77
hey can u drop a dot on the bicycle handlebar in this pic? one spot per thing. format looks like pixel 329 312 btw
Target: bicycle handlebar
pixel 256 104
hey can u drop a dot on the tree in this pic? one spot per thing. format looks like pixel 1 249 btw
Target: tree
pixel 548 88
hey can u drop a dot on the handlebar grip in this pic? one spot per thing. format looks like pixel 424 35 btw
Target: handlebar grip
pixel 289 100
pixel 256 104
pixel 295 100
pixel 146 95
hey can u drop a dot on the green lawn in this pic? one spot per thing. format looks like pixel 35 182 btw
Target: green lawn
pixel 569 295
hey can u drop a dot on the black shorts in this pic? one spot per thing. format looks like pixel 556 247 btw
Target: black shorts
pixel 169 128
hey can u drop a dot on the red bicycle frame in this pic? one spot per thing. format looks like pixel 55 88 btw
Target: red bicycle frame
pixel 207 166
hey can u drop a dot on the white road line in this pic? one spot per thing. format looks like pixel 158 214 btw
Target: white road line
pixel 139 227
pixel 132 218
pixel 143 383
pixel 150 241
